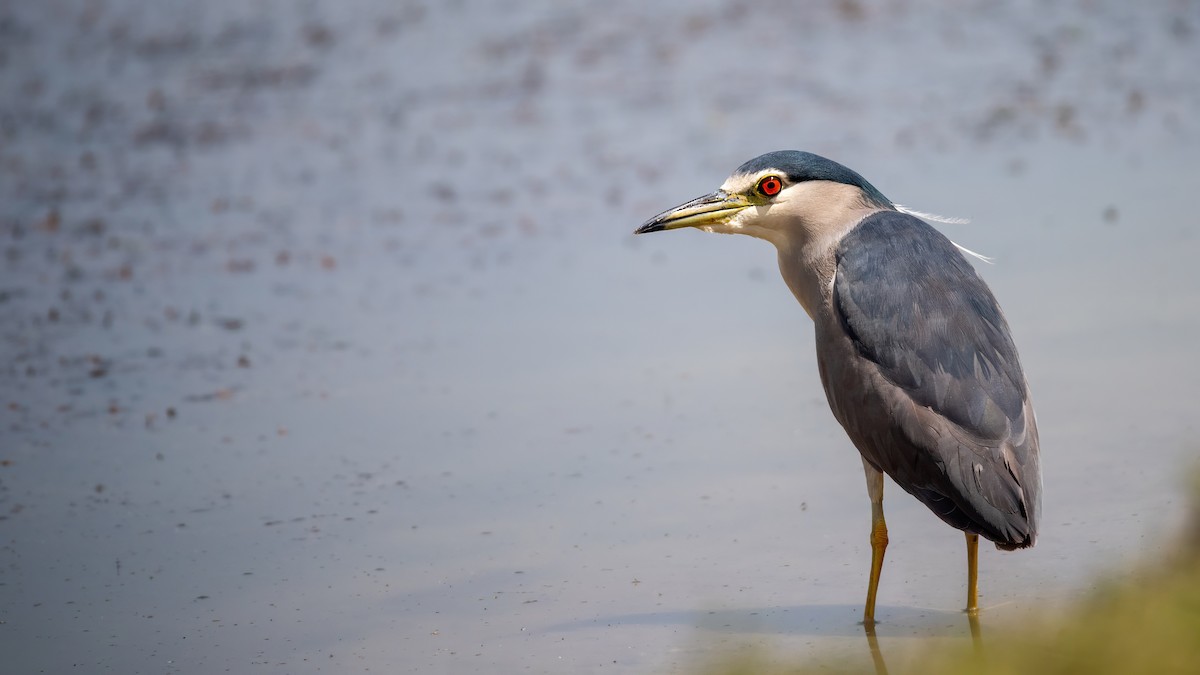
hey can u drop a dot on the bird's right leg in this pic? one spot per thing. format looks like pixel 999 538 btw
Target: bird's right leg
pixel 879 539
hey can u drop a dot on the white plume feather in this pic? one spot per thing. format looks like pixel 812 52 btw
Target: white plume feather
pixel 931 216
pixel 971 253
pixel 943 219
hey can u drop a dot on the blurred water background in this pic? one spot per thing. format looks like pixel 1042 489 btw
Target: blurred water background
pixel 328 348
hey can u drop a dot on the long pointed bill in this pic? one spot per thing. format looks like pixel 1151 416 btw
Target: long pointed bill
pixel 711 209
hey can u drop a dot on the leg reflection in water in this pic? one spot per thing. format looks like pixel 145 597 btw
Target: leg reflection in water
pixel 976 635
pixel 877 653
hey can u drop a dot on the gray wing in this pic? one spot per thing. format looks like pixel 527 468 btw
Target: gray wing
pixel 952 423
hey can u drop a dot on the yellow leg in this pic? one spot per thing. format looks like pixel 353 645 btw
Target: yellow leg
pixel 972 573
pixel 879 539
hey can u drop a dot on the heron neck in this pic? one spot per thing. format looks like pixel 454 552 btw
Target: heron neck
pixel 807 260
pixel 808 279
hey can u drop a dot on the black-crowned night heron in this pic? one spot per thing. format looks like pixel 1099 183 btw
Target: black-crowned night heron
pixel 914 353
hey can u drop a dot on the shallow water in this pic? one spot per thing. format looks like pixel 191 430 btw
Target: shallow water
pixel 330 349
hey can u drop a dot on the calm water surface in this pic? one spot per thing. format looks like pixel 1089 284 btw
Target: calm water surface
pixel 328 347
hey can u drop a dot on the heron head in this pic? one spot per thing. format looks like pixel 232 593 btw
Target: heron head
pixel 778 196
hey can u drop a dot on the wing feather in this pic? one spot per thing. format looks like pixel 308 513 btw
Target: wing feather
pixel 951 420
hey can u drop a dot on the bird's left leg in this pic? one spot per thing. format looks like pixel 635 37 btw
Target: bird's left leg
pixel 879 539
pixel 972 573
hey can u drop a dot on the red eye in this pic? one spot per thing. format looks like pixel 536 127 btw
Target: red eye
pixel 770 186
